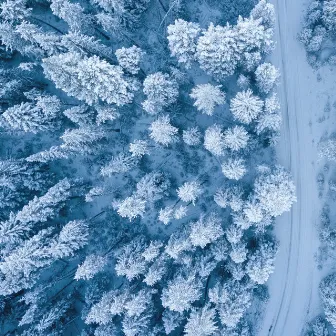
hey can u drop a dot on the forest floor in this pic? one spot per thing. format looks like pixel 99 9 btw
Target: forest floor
pixel 304 93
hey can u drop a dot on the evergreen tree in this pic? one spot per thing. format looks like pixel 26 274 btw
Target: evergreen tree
pixel 246 107
pixel 90 79
pixel 214 140
pixel 161 91
pixel 327 149
pixel 329 14
pixel 129 59
pixel 40 209
pixel 139 148
pixel 84 140
pixel 201 322
pixel 252 35
pixel 235 138
pixel 132 207
pixel 217 51
pixel 179 242
pixel 181 292
pixel 14 10
pixel 206 97
pixel 29 117
pixel 171 320
pixel 267 76
pixel 261 264
pixel 92 265
pixel 73 14
pixel 232 300
pixel 192 136
pixel 111 304
pixel 73 236
pixel 130 261
pixel 234 168
pixel 162 132
pixel 182 40
pixel 121 163
pixel 275 192
pixel 327 294
pixel 190 191
pixel 206 230
pixel 265 11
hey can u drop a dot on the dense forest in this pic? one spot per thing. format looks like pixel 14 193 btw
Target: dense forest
pixel 138 179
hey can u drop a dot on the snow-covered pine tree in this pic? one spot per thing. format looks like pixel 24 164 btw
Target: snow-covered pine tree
pixel 260 264
pixel 214 140
pixel 181 292
pixel 90 79
pixel 327 294
pixel 190 191
pixel 246 107
pixel 218 52
pixel 235 138
pixel 40 209
pixel 129 59
pixel 73 14
pixel 130 261
pixel 161 91
pixel 207 97
pixel 207 229
pixel 182 41
pixel 201 322
pixel 92 265
pixel 234 168
pixel 192 136
pixel 14 10
pixel 162 132
pixel 83 140
pixel 329 14
pixel 40 116
pixel 266 76
pixel 121 163
pixel 275 192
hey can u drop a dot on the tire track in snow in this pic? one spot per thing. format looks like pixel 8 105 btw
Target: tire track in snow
pixel 285 93
pixel 292 285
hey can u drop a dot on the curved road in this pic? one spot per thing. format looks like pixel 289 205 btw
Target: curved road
pixel 294 284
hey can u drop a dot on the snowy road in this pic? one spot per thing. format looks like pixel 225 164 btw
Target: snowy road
pixel 294 285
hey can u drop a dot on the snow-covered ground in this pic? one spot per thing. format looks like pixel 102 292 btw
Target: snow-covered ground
pixel 293 287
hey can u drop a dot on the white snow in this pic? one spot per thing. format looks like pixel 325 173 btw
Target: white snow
pixel 294 284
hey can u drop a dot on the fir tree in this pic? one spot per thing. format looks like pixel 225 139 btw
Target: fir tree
pixel 266 76
pixel 129 59
pixel 218 51
pixel 246 107
pixel 206 230
pixel 181 292
pixel 207 97
pixel 201 322
pixel 235 138
pixel 192 136
pixel 275 192
pixel 182 41
pixel 34 118
pixel 40 209
pixel 214 140
pixel 162 132
pixel 190 191
pixel 73 14
pixel 130 261
pixel 261 264
pixel 90 79
pixel 92 265
pixel 234 168
pixel 161 91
